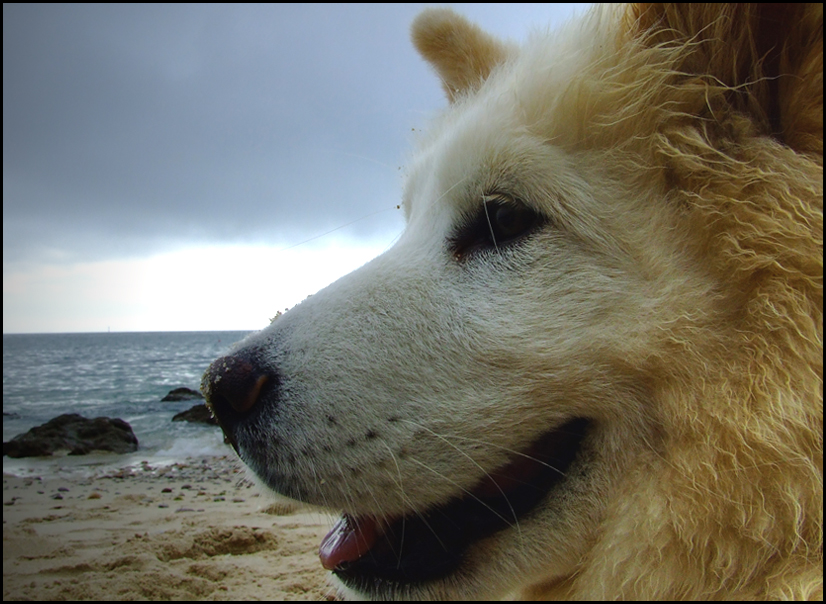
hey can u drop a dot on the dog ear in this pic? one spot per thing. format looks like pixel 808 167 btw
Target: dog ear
pixel 461 52
pixel 769 55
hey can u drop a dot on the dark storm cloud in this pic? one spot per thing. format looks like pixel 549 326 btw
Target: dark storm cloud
pixel 128 128
pixel 210 122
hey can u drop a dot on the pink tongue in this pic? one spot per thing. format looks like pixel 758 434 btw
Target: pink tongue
pixel 348 541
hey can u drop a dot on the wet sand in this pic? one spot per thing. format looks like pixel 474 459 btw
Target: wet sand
pixel 195 530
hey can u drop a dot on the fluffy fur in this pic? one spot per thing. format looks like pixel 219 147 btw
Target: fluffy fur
pixel 673 297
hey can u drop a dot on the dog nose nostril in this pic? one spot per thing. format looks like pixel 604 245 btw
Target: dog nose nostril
pixel 242 399
pixel 235 380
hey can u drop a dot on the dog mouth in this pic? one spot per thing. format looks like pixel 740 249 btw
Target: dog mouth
pixel 376 554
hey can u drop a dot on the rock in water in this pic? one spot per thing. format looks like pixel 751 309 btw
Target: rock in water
pixel 76 434
pixel 199 414
pixel 182 394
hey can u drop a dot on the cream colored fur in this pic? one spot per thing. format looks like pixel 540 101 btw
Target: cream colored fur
pixel 674 298
pixel 720 108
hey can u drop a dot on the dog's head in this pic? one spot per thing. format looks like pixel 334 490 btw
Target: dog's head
pixel 503 398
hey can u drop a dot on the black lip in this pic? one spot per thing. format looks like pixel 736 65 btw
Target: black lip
pixel 428 546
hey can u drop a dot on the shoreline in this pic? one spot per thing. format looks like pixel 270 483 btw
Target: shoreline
pixel 197 529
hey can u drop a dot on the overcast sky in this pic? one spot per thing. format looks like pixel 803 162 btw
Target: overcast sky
pixel 158 159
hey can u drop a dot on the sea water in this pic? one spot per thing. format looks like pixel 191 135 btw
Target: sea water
pixel 122 375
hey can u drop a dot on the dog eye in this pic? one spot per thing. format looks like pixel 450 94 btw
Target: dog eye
pixel 508 221
pixel 500 222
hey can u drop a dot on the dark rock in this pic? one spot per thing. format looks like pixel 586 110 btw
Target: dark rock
pixel 199 414
pixel 182 394
pixel 76 434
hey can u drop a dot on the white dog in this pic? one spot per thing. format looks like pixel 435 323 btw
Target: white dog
pixel 592 365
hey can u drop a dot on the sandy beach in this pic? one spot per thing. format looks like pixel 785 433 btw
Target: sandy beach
pixel 193 530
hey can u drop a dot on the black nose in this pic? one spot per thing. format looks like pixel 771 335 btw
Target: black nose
pixel 232 386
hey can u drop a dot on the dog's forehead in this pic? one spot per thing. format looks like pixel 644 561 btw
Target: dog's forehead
pixel 462 156
pixel 485 150
pixel 491 132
